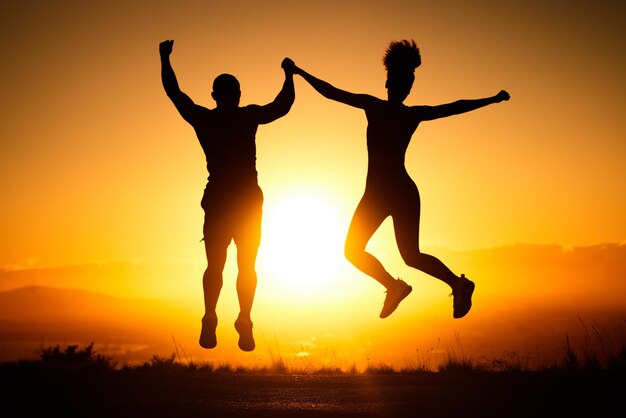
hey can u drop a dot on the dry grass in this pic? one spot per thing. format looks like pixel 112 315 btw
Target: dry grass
pixel 599 349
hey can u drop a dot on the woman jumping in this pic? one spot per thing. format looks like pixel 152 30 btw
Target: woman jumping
pixel 389 190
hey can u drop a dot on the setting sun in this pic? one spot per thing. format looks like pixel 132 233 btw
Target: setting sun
pixel 303 244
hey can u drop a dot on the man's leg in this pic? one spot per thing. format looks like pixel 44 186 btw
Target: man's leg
pixel 212 279
pixel 248 239
pixel 246 288
pixel 246 278
pixel 212 285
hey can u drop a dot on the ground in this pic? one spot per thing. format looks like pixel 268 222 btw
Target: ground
pixel 128 393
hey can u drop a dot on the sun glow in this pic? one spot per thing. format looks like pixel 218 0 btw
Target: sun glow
pixel 302 245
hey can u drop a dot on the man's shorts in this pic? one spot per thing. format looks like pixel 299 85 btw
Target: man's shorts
pixel 232 213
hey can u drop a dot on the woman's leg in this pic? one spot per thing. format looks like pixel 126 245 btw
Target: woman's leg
pixel 406 225
pixel 365 222
pixel 406 219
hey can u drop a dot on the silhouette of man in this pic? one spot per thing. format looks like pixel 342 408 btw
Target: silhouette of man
pixel 232 200
pixel 389 190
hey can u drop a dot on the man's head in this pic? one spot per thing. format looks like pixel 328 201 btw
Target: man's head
pixel 226 91
pixel 400 60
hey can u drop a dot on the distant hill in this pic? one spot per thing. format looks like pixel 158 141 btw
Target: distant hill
pixel 143 280
pixel 48 305
pixel 44 314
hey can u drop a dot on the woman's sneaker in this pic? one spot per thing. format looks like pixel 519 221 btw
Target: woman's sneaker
pixel 394 296
pixel 462 294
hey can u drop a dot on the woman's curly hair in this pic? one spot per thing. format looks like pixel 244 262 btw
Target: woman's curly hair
pixel 402 56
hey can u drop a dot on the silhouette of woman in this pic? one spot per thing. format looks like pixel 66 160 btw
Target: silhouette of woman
pixel 389 190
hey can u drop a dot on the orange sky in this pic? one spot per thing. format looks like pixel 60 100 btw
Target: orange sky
pixel 97 166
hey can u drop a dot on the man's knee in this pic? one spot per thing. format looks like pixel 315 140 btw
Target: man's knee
pixel 246 258
pixel 215 266
pixel 212 277
pixel 246 270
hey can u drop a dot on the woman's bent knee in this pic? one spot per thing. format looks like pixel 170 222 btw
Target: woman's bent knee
pixel 413 258
pixel 353 252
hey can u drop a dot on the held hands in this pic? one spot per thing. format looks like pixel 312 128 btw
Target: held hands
pixel 288 66
pixel 503 95
pixel 165 48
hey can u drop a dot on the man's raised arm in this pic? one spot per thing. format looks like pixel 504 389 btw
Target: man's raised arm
pixel 183 103
pixel 458 107
pixel 285 98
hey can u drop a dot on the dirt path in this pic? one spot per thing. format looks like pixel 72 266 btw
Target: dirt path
pixel 195 394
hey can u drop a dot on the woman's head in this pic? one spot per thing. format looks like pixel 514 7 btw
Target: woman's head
pixel 401 59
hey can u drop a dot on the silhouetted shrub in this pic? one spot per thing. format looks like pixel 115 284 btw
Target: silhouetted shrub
pixel 74 358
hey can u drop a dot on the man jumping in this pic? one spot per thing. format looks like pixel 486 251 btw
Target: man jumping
pixel 232 200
